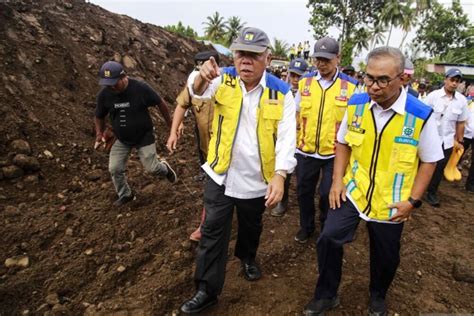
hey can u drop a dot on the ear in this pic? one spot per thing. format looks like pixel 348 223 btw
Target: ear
pixel 269 58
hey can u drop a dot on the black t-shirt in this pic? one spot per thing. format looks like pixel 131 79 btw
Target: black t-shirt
pixel 128 112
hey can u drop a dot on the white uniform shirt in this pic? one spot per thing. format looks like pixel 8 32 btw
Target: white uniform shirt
pixel 429 145
pixel 447 112
pixel 324 84
pixel 244 179
pixel 469 128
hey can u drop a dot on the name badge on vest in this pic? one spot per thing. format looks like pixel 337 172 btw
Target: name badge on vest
pixel 343 95
pixel 272 101
pixel 356 129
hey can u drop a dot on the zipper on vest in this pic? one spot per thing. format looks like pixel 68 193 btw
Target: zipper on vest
pixel 320 114
pixel 373 163
pixel 258 139
pixel 220 119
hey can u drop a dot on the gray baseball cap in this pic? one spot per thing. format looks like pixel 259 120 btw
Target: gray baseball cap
pixel 298 66
pixel 251 39
pixel 110 73
pixel 326 47
pixel 453 72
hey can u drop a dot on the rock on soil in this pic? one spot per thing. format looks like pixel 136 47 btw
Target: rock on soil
pixel 20 146
pixel 26 163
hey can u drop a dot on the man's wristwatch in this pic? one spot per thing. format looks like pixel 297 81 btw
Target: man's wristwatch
pixel 281 173
pixel 415 203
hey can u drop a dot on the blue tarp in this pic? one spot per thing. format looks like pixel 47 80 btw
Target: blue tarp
pixel 220 48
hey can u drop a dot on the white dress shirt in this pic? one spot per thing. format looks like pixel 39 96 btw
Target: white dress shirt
pixel 244 179
pixel 469 128
pixel 324 84
pixel 447 112
pixel 429 145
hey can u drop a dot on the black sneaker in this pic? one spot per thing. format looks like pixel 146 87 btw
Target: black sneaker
pixel 125 199
pixel 432 199
pixel 302 236
pixel 377 307
pixel 318 307
pixel 171 175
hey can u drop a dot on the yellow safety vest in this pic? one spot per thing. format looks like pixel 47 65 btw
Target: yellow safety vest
pixel 228 106
pixel 321 113
pixel 382 166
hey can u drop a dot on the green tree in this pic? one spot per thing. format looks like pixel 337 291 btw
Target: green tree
pixel 346 15
pixel 182 30
pixel 392 15
pixel 233 28
pixel 443 29
pixel 360 39
pixel 215 27
pixel 377 35
pixel 280 48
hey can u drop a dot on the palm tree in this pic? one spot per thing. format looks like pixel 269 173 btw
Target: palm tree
pixel 215 27
pixel 392 15
pixel 280 48
pixel 377 35
pixel 233 27
pixel 360 38
pixel 408 20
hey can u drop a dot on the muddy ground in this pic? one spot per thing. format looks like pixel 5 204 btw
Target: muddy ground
pixel 87 257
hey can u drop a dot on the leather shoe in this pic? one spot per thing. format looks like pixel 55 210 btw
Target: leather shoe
pixel 377 307
pixel 199 302
pixel 319 307
pixel 251 270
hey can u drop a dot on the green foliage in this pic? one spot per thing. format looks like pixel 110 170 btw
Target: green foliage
pixel 349 16
pixel 182 30
pixel 233 27
pixel 215 27
pixel 442 30
pixel 280 48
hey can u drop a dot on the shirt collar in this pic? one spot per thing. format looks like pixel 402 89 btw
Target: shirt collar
pixel 444 94
pixel 262 83
pixel 319 77
pixel 399 105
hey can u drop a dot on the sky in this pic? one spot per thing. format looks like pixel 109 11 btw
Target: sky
pixel 282 19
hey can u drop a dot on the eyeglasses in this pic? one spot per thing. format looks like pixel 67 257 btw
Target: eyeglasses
pixel 381 82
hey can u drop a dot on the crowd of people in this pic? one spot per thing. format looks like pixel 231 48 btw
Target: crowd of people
pixel 373 142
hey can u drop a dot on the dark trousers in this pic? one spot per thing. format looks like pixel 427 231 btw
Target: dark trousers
pixel 284 199
pixel 384 251
pixel 307 176
pixel 439 171
pixel 212 250
pixel 469 142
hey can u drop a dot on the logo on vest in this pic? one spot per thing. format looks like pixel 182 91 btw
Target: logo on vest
pixel 408 131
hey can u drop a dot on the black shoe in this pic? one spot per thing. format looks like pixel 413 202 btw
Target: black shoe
pixel 171 174
pixel 199 302
pixel 280 209
pixel 432 199
pixel 318 307
pixel 251 270
pixel 125 199
pixel 470 187
pixel 302 236
pixel 377 307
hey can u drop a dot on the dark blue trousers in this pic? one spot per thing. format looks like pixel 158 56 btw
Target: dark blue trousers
pixel 338 230
pixel 308 170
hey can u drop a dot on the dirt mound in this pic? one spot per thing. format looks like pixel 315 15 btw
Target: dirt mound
pixel 66 250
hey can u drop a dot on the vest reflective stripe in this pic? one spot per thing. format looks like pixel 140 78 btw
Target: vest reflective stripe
pixel 321 112
pixel 228 106
pixel 382 166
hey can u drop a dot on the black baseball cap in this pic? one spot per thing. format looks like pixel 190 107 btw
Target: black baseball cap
pixel 110 73
pixel 251 39
pixel 205 55
pixel 326 47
